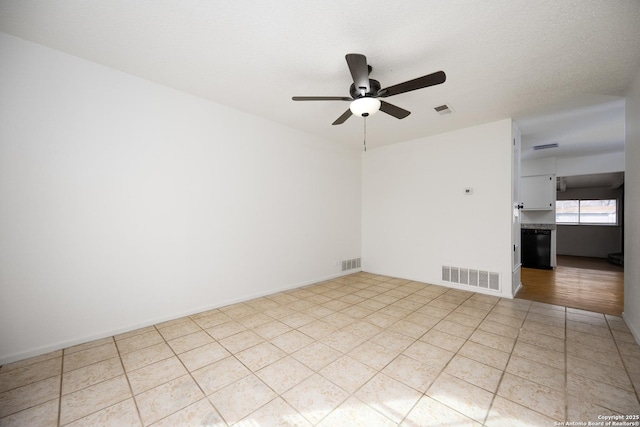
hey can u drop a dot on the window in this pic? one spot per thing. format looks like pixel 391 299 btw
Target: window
pixel 602 212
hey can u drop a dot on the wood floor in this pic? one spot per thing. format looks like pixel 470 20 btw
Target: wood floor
pixel 591 284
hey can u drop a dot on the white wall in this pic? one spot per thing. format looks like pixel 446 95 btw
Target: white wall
pixel 415 216
pixel 632 210
pixel 123 203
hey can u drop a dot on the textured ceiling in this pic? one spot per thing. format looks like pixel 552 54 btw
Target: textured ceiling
pixel 503 58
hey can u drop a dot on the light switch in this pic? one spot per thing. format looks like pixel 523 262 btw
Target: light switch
pixel 468 191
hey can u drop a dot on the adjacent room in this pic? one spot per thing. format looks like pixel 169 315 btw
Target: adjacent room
pixel 296 213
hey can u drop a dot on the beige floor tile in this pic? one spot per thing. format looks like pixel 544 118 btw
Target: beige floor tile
pixel 543 329
pixel 547 320
pixel 146 356
pixel 296 320
pixel 89 356
pixel 30 395
pixel 203 356
pixel 210 319
pixel 225 330
pixel 474 372
pixel 315 397
pixel 430 412
pixel 434 356
pixel 317 329
pixel 596 319
pixel 608 396
pixel 539 354
pixel 453 328
pixel 238 311
pixel 153 375
pixel 241 398
pixel 443 340
pixel 393 340
pixel 347 373
pixel 614 376
pixel 466 398
pixel 213 377
pixel 373 355
pixel 536 372
pixel 362 329
pixel 292 341
pixel 533 396
pixel 411 372
pixel 254 320
pixel 30 374
pixel 499 329
pixel 122 414
pixel 317 355
pixel 189 342
pixel 472 311
pixel 339 320
pixel 133 333
pixel 42 415
pixel 603 357
pixel 380 319
pixel 318 311
pixel 241 341
pixel 342 341
pixel 91 374
pixel 354 413
pixel 391 398
pixel 284 374
pixel 585 411
pixel 602 331
pixel 488 339
pixel 167 399
pixel 88 345
pixel 271 329
pixel 541 340
pixel 276 413
pixel 261 355
pixel 604 343
pixel 183 328
pixel 94 398
pixel 137 342
pixel 30 361
pixel 504 319
pixel 409 329
pixel 505 413
pixel 201 413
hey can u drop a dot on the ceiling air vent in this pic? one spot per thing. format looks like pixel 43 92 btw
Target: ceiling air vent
pixel 443 109
pixel 545 146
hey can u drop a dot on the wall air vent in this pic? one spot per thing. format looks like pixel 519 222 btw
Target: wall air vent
pixel 443 109
pixel 545 146
pixel 350 264
pixel 470 277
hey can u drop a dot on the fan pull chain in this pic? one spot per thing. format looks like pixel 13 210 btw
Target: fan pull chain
pixel 365 134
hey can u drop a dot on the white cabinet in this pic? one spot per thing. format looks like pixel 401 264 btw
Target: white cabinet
pixel 537 192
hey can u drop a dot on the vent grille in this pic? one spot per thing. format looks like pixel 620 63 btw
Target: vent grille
pixel 545 146
pixel 470 277
pixel 350 264
pixel 442 109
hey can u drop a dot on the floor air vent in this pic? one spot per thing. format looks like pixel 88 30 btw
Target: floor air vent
pixel 471 278
pixel 350 264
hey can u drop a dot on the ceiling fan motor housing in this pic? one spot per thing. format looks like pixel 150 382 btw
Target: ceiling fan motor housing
pixel 356 93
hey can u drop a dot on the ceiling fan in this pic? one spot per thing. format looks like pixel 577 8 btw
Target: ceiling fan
pixel 365 92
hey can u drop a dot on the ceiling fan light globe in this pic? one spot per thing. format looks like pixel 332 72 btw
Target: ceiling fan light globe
pixel 365 106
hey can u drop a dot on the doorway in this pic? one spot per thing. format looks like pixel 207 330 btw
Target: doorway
pixel 585 283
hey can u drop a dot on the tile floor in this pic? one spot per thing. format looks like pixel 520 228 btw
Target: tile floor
pixel 359 350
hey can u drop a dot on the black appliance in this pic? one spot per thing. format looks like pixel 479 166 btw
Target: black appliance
pixel 536 248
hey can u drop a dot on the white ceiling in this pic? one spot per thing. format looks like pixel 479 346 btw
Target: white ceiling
pixel 503 58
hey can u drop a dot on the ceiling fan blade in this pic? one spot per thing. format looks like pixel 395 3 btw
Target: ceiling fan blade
pixel 359 71
pixel 321 98
pixel 340 120
pixel 395 111
pixel 433 79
